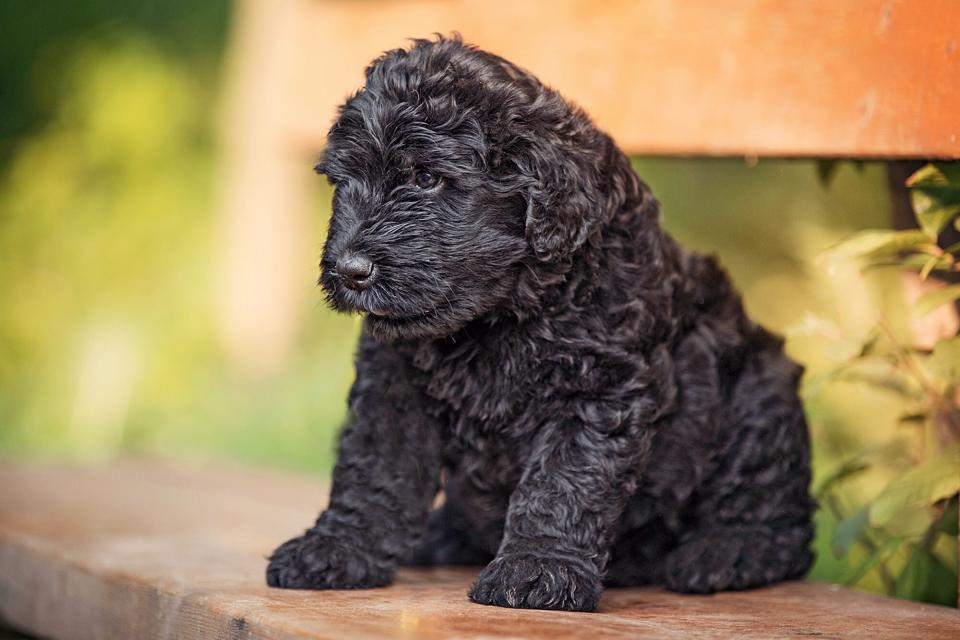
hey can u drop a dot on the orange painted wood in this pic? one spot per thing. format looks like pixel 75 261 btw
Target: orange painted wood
pixel 866 78
pixel 149 550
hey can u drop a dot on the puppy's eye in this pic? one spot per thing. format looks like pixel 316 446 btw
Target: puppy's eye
pixel 425 179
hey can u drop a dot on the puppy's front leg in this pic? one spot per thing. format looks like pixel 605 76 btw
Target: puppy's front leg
pixel 386 477
pixel 563 516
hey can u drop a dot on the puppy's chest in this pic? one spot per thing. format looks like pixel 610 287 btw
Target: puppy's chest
pixel 484 400
pixel 479 386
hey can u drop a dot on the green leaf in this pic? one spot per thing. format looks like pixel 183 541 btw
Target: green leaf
pixel 935 195
pixel 949 523
pixel 928 266
pixel 934 299
pixel 913 260
pixel 926 578
pixel 845 470
pixel 876 557
pixel 933 175
pixel 912 521
pixel 931 215
pixel 912 493
pixel 881 374
pixel 850 530
pixel 876 242
pixel 945 361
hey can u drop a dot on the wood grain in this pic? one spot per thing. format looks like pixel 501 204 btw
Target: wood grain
pixel 724 77
pixel 150 550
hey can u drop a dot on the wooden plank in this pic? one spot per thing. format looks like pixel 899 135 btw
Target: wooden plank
pixel 725 77
pixel 149 550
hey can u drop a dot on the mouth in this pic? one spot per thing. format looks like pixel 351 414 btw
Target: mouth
pixel 349 301
pixel 387 317
pixel 382 313
pixel 388 323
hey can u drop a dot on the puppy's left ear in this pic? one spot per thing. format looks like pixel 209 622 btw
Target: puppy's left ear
pixel 578 178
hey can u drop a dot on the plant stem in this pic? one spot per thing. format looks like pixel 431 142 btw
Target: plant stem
pixel 889 584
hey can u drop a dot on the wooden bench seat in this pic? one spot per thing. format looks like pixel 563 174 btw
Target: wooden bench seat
pixel 143 549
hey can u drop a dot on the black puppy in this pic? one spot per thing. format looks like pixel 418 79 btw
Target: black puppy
pixel 598 404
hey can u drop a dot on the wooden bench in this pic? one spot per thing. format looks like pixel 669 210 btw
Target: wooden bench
pixel 148 550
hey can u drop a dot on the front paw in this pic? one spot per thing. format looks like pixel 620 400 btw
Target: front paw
pixel 321 561
pixel 528 581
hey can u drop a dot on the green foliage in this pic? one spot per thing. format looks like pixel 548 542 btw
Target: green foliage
pixel 926 577
pixel 36 37
pixel 903 532
pixel 900 506
pixel 109 247
pixel 935 195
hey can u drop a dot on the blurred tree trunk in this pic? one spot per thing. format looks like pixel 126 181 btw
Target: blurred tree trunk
pixel 265 270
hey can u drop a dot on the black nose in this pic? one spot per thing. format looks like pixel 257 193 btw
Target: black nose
pixel 356 271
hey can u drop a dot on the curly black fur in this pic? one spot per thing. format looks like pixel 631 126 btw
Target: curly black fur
pixel 599 405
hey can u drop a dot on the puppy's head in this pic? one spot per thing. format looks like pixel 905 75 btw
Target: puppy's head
pixel 456 173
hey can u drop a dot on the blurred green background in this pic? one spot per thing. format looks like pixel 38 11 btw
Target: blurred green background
pixel 111 239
